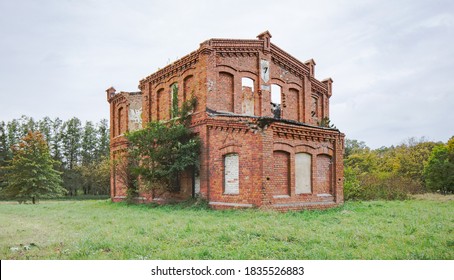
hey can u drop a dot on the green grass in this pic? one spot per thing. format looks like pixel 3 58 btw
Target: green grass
pixel 421 228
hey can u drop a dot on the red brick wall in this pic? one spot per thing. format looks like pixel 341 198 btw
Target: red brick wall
pixel 223 100
pixel 281 177
pixel 323 174
pixel 290 111
pixel 266 155
pixel 225 140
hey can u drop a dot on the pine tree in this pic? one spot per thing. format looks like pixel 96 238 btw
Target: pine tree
pixel 103 149
pixel 31 175
pixel 5 153
pixel 88 144
pixel 71 135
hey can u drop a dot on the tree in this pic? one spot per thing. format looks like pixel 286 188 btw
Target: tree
pixel 165 152
pixel 5 154
pixel 13 132
pixel 103 149
pixel 413 158
pixel 354 146
pixel 56 139
pixel 96 177
pixel 71 135
pixel 26 124
pixel 88 144
pixel 45 127
pixel 31 175
pixel 162 151
pixel 439 170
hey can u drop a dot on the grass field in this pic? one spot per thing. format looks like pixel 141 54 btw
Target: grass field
pixel 422 228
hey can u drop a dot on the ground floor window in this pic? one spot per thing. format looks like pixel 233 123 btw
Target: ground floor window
pixel 303 167
pixel 231 174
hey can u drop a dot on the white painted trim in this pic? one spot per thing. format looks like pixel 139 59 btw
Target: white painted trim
pixel 324 195
pixel 304 204
pixel 230 204
pixel 281 196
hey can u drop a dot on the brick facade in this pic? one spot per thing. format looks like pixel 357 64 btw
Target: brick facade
pixel 250 145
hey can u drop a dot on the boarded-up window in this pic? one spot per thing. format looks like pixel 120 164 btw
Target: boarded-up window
pixel 231 174
pixel 197 184
pixel 224 97
pixel 292 108
pixel 303 173
pixel 323 174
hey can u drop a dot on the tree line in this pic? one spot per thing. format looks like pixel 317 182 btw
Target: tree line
pixel 415 166
pixel 79 152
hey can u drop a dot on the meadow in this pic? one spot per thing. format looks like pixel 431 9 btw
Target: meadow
pixel 420 228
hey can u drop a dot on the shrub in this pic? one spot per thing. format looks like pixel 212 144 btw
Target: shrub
pixel 374 186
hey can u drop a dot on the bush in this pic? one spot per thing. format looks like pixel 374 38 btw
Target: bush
pixel 352 186
pixel 374 186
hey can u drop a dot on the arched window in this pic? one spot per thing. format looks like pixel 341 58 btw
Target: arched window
pixel 247 89
pixel 231 174
pixel 323 174
pixel 281 178
pixel 303 173
pixel 121 121
pixel 224 97
pixel 160 105
pixel 315 115
pixel 173 100
pixel 276 95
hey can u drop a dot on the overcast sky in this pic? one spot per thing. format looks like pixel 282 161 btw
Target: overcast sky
pixel 392 62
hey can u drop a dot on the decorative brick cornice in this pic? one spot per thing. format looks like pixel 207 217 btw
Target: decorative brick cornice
pixel 318 86
pixel 172 69
pixel 235 48
pixel 118 98
pixel 299 132
pixel 288 62
pixel 226 124
pixel 234 44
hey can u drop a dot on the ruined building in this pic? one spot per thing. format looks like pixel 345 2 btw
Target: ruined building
pixel 260 119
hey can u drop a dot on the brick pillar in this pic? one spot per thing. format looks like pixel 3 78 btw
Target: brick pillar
pixel 267 167
pixel 307 94
pixel 206 89
pixel 328 82
pixel 339 168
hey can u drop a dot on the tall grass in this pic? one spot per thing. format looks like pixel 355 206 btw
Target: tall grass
pixel 412 229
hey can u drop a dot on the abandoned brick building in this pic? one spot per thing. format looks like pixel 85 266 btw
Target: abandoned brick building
pixel 258 116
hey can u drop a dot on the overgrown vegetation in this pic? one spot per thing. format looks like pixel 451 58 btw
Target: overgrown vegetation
pixel 420 228
pixel 80 152
pixel 326 122
pixel 416 166
pixel 162 151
